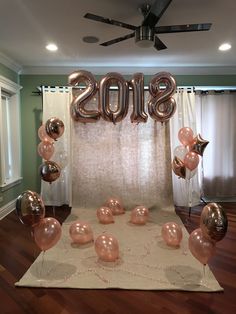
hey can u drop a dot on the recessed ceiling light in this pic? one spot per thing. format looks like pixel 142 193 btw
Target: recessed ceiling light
pixel 90 39
pixel 224 47
pixel 51 47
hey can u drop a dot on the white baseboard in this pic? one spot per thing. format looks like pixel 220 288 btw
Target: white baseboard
pixel 6 209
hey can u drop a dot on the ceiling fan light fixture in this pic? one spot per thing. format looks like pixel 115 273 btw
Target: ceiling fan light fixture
pixel 224 47
pixel 144 36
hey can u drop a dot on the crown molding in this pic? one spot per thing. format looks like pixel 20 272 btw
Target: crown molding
pixel 11 64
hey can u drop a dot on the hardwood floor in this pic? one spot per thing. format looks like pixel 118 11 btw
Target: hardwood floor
pixel 18 251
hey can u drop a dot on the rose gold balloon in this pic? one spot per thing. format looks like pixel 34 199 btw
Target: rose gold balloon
pixel 213 222
pixel 81 232
pixel 42 134
pixel 107 248
pixel 30 208
pixel 201 248
pixel 105 215
pixel 115 205
pixel 49 171
pixel 54 128
pixel 198 145
pixel 178 167
pixel 185 136
pixel 139 215
pixel 180 152
pixel 47 233
pixel 45 150
pixel 172 234
pixel 191 160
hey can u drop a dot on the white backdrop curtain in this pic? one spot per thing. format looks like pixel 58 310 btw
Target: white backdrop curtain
pixel 185 192
pixel 56 103
pixel 218 116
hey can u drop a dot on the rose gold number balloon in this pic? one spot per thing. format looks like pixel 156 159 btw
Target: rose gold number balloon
pixel 139 215
pixel 107 248
pixel 105 215
pixel 172 234
pixel 47 233
pixel 78 110
pixel 81 232
pixel 115 205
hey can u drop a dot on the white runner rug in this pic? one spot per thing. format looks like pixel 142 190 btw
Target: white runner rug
pixel 145 263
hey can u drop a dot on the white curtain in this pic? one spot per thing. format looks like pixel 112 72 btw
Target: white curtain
pixel 56 103
pixel 218 116
pixel 185 192
pixel 128 161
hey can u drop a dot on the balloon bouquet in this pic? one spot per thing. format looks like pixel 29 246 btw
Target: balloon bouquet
pixel 186 158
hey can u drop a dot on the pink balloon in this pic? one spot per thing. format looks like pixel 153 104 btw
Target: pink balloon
pixel 107 248
pixel 139 215
pixel 45 150
pixel 172 234
pixel 191 160
pixel 47 233
pixel 180 152
pixel 105 215
pixel 42 134
pixel 81 232
pixel 201 248
pixel 115 205
pixel 185 136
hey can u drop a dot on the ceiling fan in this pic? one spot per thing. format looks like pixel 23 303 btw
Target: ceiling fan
pixel 146 34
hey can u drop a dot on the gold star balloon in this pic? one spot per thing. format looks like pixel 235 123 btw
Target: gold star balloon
pixel 198 145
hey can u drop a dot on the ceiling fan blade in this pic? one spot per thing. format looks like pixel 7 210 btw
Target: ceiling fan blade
pixel 117 40
pixel 183 28
pixel 155 13
pixel 158 44
pixel 108 21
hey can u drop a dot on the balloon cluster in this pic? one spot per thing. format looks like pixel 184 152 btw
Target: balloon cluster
pixel 48 133
pixel 213 228
pixel 186 156
pixel 30 210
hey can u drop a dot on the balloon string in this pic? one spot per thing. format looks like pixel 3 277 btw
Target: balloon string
pixel 42 264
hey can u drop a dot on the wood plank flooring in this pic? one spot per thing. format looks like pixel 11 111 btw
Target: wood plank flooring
pixel 18 251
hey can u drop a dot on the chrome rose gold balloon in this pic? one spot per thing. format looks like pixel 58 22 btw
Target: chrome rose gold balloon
pixel 198 145
pixel 30 208
pixel 49 171
pixel 104 98
pixel 105 215
pixel 178 167
pixel 172 234
pixel 45 150
pixel 42 134
pixel 47 233
pixel 191 160
pixel 115 205
pixel 77 108
pixel 54 128
pixel 201 248
pixel 185 136
pixel 213 222
pixel 81 232
pixel 139 215
pixel 162 105
pixel 107 248
pixel 137 83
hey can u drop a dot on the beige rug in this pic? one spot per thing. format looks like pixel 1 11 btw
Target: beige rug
pixel 145 263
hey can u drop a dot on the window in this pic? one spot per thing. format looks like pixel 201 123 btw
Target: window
pixel 10 156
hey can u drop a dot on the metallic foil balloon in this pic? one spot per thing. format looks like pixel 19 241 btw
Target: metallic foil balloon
pixel 77 107
pixel 178 167
pixel 105 215
pixel 49 171
pixel 54 128
pixel 185 136
pixel 121 110
pixel 81 232
pixel 200 247
pixel 137 84
pixel 162 105
pixel 191 160
pixel 30 208
pixel 213 222
pixel 115 205
pixel 45 150
pixel 107 248
pixel 47 233
pixel 198 145
pixel 139 215
pixel 172 234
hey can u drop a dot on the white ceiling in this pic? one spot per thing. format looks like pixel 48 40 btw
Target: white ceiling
pixel 26 26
